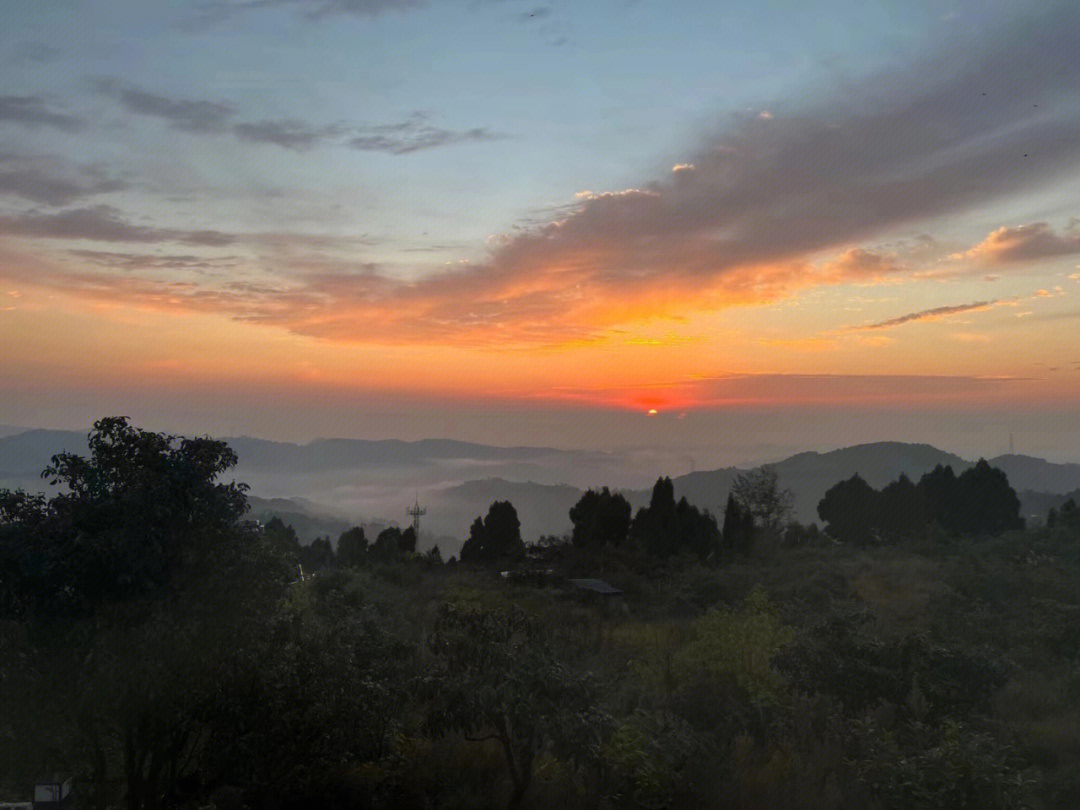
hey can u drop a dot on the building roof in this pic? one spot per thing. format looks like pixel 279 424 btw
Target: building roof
pixel 596 586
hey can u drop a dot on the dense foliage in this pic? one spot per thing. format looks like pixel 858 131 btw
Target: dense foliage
pixel 978 501
pixel 904 660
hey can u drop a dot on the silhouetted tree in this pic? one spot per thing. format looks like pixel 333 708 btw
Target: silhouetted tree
pixel 758 492
pixel 388 543
pixel 1067 518
pixel 941 492
pixel 696 531
pixel 979 501
pixel 495 538
pixel 987 504
pixel 600 519
pixel 665 527
pixel 317 555
pixel 140 508
pixel 738 531
pixel 850 511
pixel 654 525
pixel 902 509
pixel 472 550
pixel 407 541
pixel 352 547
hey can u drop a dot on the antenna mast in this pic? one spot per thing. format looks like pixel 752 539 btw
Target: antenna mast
pixel 416 510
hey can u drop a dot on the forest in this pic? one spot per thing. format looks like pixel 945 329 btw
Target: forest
pixel 919 649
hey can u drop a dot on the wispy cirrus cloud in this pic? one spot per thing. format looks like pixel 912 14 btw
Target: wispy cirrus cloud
pixel 414 134
pixel 35 111
pixel 933 314
pixel 1024 243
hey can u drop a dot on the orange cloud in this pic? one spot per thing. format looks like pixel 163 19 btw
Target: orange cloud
pixel 1024 243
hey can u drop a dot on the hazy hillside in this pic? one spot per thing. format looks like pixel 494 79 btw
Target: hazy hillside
pixel 542 508
pixel 809 475
pixel 345 481
pixel 24 455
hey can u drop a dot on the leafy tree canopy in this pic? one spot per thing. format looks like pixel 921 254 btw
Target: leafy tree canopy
pixel 140 508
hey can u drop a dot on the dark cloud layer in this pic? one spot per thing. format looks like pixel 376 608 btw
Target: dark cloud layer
pixel 412 135
pixel 186 114
pixel 215 117
pixel 34 111
pixel 287 133
pixel 133 262
pixel 102 223
pixel 212 12
pixel 41 181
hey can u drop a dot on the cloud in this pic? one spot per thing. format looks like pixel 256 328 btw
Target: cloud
pixel 766 198
pixel 137 262
pixel 37 53
pixel 184 114
pixel 42 181
pixel 102 223
pixel 1024 243
pixel 862 263
pixel 286 133
pixel 213 118
pixel 928 315
pixel 33 111
pixel 211 12
pixel 412 135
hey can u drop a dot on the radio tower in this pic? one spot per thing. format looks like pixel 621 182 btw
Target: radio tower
pixel 416 510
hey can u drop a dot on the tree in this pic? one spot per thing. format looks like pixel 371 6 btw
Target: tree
pixel 159 586
pixel 317 555
pixel 495 538
pixel 903 510
pixel 738 532
pixel 696 531
pixel 496 679
pixel 850 511
pixel 758 492
pixel 407 541
pixel 141 508
pixel 986 503
pixel 665 527
pixel 600 519
pixel 654 525
pixel 388 543
pixel 352 547
pixel 472 550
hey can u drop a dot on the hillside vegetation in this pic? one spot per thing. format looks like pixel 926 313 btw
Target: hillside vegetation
pixel 922 651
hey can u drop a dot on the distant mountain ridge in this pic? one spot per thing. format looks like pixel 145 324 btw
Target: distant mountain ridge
pixel 809 475
pixel 459 480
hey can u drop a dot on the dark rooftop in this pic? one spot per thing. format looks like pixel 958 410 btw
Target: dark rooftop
pixel 596 586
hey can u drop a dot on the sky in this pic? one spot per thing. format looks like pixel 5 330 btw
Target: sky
pixel 722 231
